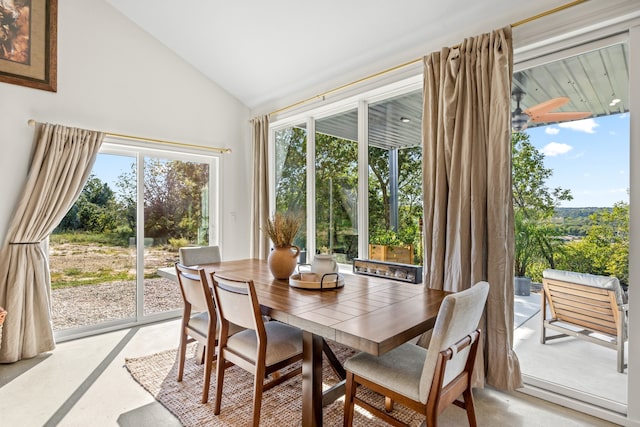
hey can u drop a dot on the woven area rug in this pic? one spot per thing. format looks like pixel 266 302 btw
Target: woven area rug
pixel 281 406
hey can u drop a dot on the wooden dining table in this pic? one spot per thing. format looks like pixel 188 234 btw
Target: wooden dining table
pixel 369 314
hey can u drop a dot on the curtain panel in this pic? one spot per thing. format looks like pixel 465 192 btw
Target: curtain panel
pixel 61 163
pixel 468 232
pixel 260 187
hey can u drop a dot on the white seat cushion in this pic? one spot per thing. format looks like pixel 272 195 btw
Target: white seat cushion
pixel 399 370
pixel 283 341
pixel 593 280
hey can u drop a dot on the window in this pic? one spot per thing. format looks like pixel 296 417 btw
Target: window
pixel 325 166
pixel 137 208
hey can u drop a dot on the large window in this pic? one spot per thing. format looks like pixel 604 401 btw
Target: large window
pixel 137 208
pixel 356 177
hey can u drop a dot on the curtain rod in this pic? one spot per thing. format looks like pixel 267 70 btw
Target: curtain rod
pixel 32 122
pixel 406 64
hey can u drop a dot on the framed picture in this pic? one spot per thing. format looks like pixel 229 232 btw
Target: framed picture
pixel 28 39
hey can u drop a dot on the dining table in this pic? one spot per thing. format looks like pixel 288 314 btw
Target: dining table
pixel 370 314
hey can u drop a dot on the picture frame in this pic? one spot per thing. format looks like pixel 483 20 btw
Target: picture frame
pixel 28 43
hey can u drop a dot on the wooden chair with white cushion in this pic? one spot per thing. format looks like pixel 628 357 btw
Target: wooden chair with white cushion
pixel 199 321
pixel 425 380
pixel 198 255
pixel 262 348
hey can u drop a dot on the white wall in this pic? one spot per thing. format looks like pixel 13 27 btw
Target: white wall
pixel 114 77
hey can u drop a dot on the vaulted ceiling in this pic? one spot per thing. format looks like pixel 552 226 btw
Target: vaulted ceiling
pixel 267 53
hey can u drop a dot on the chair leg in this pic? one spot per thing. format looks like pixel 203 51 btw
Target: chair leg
pixel 208 362
pixel 181 355
pixel 258 384
pixel 350 392
pixel 620 355
pixel 470 407
pixel 388 404
pixel 201 353
pixel 222 364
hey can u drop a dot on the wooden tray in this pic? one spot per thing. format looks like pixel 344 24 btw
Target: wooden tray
pixel 314 281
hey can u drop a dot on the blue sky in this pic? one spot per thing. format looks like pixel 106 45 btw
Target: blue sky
pixel 590 157
pixel 108 167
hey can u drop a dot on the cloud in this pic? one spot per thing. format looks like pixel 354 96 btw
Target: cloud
pixel 556 148
pixel 618 190
pixel 586 125
pixel 551 130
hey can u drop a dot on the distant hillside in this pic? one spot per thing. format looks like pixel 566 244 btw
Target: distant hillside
pixel 575 221
pixel 577 212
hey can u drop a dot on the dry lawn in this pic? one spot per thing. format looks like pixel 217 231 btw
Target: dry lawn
pixel 84 305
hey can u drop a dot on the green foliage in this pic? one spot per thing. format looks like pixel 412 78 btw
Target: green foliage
pixel 605 249
pixel 175 200
pixel 101 239
pixel 534 205
pixel 74 277
pixel 176 243
pixel 95 210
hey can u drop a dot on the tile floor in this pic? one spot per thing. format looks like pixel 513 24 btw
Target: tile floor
pixel 84 383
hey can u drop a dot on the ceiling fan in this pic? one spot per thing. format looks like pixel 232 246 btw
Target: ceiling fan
pixel 541 113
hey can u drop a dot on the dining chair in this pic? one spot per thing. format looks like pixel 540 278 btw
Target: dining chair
pixel 199 321
pixel 197 255
pixel 262 348
pixel 425 380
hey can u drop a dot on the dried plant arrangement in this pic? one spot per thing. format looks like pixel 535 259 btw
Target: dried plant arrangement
pixel 282 228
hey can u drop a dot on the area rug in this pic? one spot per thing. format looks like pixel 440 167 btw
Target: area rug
pixel 281 406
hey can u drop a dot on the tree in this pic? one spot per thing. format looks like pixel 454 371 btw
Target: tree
pixel 533 204
pixel 605 249
pixel 95 210
pixel 174 202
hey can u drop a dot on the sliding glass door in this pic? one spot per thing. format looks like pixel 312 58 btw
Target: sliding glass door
pixel 137 208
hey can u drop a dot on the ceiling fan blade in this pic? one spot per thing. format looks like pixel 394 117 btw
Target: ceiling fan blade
pixel 546 106
pixel 560 117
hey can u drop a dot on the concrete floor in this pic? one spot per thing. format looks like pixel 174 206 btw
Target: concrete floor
pixel 84 383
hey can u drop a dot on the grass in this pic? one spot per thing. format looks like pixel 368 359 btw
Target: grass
pixel 91 258
pixel 100 239
pixel 76 277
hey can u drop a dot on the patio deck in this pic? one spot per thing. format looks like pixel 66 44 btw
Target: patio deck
pixel 585 370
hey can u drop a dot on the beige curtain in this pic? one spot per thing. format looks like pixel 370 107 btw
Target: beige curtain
pixel 62 161
pixel 260 187
pixel 468 226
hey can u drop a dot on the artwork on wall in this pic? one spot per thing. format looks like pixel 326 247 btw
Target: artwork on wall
pixel 28 38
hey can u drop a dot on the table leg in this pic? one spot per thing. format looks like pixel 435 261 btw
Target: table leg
pixel 311 380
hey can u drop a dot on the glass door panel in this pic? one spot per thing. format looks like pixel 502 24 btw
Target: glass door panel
pixel 176 214
pixel 92 252
pixel 291 178
pixel 336 163
pixel 395 179
pixel 571 193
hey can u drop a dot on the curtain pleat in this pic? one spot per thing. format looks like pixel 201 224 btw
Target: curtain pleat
pixel 61 163
pixel 260 187
pixel 468 225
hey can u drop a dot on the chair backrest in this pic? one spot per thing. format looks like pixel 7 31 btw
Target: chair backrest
pixel 194 287
pixel 237 302
pixel 196 255
pixel 458 317
pixel 593 280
